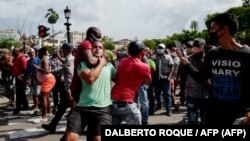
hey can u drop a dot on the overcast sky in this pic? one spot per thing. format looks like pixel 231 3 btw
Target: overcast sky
pixel 118 19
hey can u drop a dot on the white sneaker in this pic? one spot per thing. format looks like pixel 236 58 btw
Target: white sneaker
pixel 40 120
pixel 49 114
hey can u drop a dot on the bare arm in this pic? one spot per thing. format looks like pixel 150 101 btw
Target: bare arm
pixel 90 76
pixel 45 66
pixel 170 73
pixel 90 58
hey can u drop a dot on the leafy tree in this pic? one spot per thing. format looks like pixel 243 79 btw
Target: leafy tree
pixel 243 14
pixel 107 43
pixel 194 25
pixel 150 43
pixel 8 43
pixel 208 20
pixel 52 19
pixel 245 3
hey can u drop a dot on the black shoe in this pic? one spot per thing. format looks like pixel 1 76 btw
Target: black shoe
pixel 25 108
pixel 144 122
pixel 157 108
pixel 176 108
pixel 169 113
pixel 16 111
pixel 151 113
pixel 48 128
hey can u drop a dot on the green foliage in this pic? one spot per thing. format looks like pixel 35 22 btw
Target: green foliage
pixel 52 16
pixel 246 3
pixel 150 43
pixel 49 48
pixel 194 25
pixel 107 43
pixel 208 20
pixel 243 14
pixel 8 43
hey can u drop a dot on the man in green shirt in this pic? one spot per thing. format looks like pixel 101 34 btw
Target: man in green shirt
pixel 95 99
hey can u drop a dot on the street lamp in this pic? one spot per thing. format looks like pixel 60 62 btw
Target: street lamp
pixel 24 43
pixel 67 13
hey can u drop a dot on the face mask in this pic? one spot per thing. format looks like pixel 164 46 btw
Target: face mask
pixel 214 37
pixel 160 51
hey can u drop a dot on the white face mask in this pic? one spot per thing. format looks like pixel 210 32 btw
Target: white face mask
pixel 160 51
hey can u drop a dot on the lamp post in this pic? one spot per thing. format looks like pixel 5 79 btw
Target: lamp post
pixel 24 43
pixel 67 13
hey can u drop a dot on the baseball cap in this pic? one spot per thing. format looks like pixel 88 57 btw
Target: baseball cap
pixel 161 46
pixel 67 46
pixel 4 50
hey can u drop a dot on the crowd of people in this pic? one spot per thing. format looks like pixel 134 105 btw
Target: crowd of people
pixel 101 90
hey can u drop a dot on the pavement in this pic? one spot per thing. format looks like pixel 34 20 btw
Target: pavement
pixel 21 127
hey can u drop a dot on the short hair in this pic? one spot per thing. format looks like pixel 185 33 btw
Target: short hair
pixel 228 20
pixel 42 51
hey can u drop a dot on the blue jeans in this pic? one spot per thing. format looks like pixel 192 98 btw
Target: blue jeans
pixel 195 108
pixel 127 112
pixel 163 85
pixel 143 102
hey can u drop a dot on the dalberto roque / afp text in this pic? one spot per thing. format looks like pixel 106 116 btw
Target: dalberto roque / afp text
pixel 112 132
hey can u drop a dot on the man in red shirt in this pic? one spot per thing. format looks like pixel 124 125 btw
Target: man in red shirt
pixel 131 74
pixel 19 68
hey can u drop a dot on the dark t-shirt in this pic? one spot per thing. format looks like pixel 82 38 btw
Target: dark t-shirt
pixel 229 71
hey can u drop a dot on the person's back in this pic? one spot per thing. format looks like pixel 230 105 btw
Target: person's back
pixel 131 74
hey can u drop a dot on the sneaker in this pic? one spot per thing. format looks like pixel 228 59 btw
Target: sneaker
pixel 41 120
pixel 49 128
pixel 49 114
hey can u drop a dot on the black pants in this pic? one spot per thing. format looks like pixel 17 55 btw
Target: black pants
pixel 61 109
pixel 151 98
pixel 58 88
pixel 21 99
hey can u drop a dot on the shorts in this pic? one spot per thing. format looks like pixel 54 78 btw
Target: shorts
pixel 48 84
pixel 35 88
pixel 92 116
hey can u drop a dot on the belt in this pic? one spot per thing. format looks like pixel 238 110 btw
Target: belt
pixel 122 102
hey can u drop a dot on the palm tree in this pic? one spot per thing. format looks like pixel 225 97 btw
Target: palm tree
pixel 52 19
pixel 246 2
pixel 194 25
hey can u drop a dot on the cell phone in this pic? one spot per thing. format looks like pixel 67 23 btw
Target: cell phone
pixel 179 48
